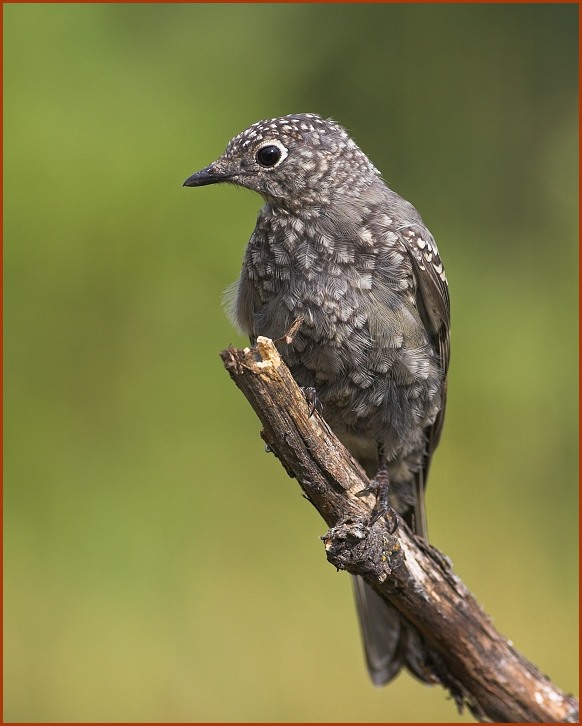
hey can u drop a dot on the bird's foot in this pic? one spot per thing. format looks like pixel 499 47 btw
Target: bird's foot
pixel 380 487
pixel 312 400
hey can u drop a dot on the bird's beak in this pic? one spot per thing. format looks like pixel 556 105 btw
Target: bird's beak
pixel 208 175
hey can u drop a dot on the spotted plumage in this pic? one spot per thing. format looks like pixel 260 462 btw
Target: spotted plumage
pixel 335 246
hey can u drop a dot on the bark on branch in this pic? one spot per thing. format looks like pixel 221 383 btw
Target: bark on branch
pixel 483 670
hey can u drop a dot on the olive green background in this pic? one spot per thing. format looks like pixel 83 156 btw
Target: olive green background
pixel 159 565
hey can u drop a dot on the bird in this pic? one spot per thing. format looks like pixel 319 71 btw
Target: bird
pixel 337 250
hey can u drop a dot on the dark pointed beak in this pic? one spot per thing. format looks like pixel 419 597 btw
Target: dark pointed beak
pixel 208 175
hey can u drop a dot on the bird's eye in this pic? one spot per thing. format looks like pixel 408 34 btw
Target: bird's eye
pixel 271 154
pixel 268 155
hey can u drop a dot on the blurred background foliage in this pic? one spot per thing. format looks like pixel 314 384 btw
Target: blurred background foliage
pixel 159 565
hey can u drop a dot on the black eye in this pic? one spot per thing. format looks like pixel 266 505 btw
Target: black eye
pixel 269 155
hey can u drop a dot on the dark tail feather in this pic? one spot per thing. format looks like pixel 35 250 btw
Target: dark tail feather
pixel 389 642
pixel 380 629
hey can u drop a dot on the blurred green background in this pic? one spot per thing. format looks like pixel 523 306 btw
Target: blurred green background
pixel 159 565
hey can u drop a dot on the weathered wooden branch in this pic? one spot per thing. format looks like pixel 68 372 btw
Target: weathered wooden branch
pixel 483 670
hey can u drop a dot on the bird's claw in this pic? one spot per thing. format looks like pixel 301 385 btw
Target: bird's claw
pixel 379 486
pixel 312 400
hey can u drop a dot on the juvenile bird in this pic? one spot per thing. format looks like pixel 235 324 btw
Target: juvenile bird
pixel 335 247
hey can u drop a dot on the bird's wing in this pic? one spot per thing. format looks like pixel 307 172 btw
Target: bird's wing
pixel 432 300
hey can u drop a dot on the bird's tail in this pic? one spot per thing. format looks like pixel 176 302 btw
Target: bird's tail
pixel 389 642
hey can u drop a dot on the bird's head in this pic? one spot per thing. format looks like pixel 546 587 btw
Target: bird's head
pixel 299 159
